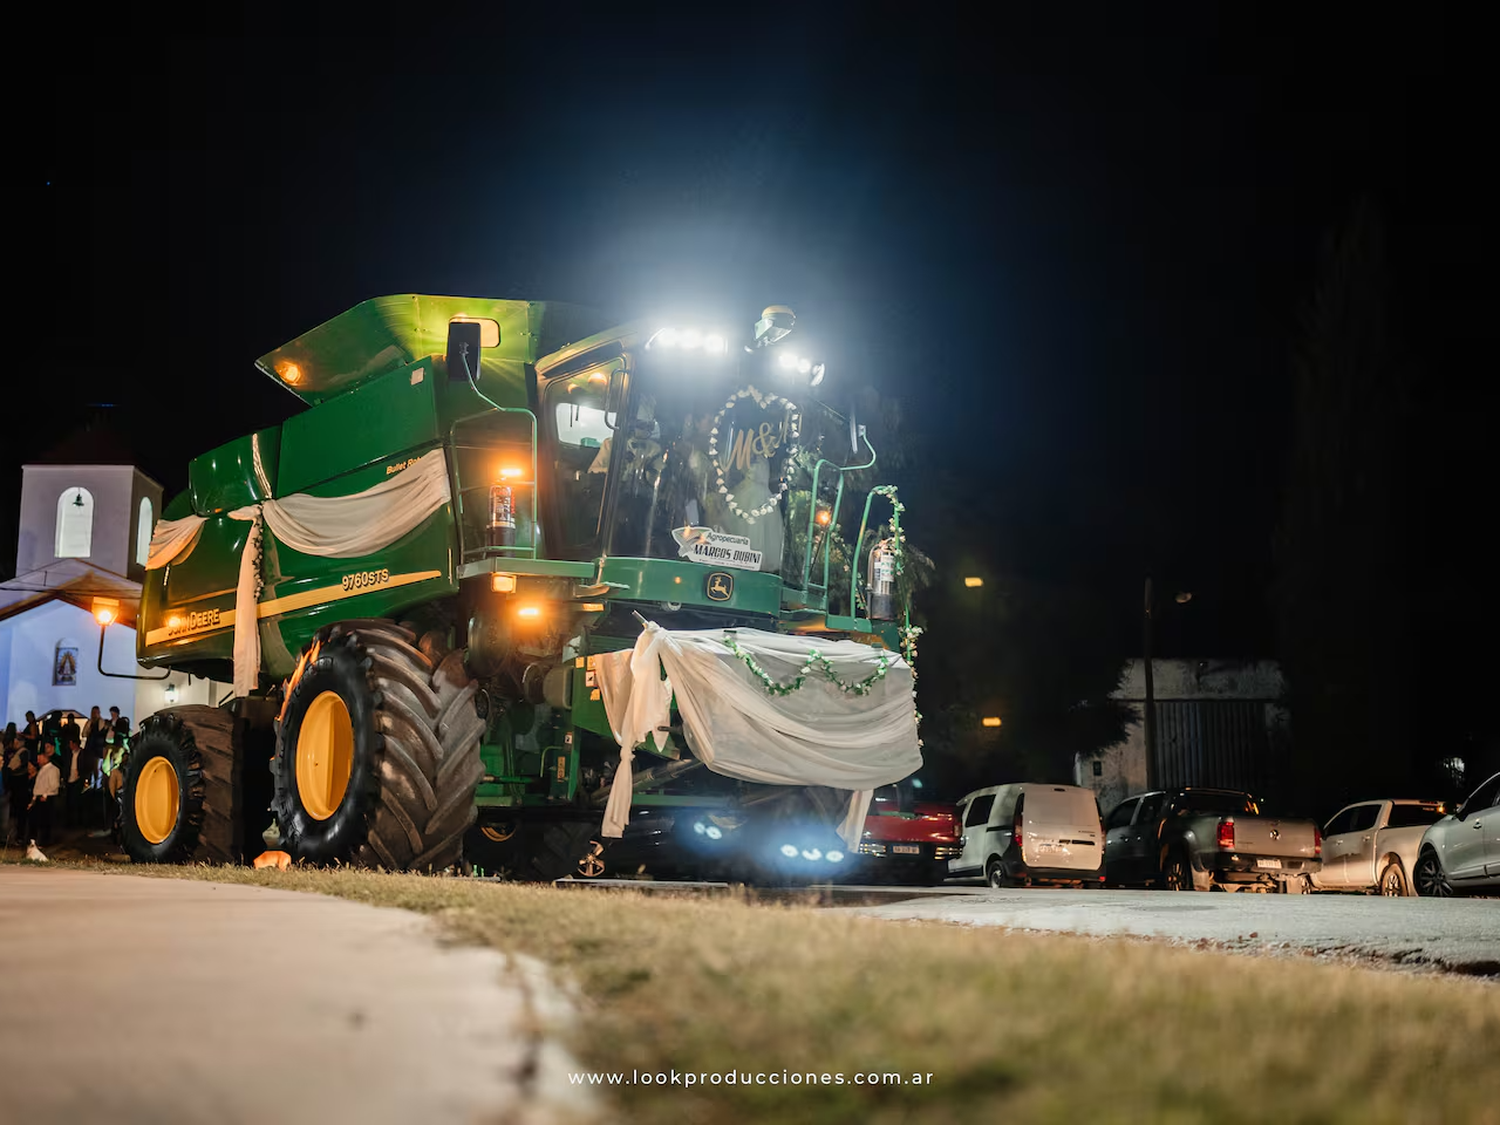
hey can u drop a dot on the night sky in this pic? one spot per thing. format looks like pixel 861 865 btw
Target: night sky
pixel 1073 248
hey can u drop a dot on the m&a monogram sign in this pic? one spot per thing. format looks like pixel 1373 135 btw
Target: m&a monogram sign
pixel 751 440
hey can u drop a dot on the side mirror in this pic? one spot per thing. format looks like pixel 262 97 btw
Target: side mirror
pixel 464 340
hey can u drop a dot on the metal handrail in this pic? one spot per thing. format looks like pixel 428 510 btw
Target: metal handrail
pixel 838 497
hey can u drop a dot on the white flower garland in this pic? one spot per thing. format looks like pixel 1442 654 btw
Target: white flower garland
pixel 761 400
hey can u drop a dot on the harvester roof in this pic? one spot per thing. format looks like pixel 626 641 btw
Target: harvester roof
pixel 386 333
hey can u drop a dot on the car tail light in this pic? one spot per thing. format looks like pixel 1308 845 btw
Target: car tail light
pixel 1226 834
pixel 1317 842
pixel 1015 831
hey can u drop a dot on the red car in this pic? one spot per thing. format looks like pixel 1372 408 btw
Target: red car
pixel 906 840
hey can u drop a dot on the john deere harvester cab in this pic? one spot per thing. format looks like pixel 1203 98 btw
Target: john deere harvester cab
pixel 503 552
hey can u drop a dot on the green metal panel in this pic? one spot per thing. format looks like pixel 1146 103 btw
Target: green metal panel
pixel 386 333
pixel 240 472
pixel 179 506
pixel 302 593
pixel 382 421
pixel 196 591
pixel 663 580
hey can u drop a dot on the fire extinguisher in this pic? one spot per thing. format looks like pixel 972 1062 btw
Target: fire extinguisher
pixel 882 575
pixel 502 525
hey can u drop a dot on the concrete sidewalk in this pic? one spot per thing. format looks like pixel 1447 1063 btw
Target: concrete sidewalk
pixel 163 1000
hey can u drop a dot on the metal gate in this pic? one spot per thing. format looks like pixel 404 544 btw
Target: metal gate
pixel 1213 742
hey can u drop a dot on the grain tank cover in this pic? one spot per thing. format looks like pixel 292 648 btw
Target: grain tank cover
pixel 386 333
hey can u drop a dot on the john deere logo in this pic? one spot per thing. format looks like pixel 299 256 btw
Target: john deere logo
pixel 720 586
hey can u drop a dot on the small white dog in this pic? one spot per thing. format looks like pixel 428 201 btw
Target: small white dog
pixel 34 853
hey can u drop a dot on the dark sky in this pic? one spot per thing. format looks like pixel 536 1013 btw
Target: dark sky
pixel 1073 246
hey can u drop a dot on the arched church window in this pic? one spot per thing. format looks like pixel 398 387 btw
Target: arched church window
pixel 75 523
pixel 143 531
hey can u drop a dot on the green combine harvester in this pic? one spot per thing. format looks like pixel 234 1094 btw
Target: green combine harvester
pixel 501 540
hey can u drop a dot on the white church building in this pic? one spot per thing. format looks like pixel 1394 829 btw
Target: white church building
pixel 85 530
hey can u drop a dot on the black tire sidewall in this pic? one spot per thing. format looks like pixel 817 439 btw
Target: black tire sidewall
pixel 1400 874
pixel 1439 879
pixel 340 668
pixel 161 739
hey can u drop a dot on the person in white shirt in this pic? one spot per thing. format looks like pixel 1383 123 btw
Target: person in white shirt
pixel 44 797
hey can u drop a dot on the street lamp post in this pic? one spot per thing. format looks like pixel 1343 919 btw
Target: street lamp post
pixel 1149 718
pixel 1150 713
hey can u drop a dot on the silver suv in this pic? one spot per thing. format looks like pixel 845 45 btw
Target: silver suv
pixel 1461 852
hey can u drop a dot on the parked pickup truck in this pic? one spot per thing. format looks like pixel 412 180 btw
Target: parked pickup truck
pixel 906 840
pixel 1207 839
pixel 1373 846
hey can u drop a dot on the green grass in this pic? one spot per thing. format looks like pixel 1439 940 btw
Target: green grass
pixel 1017 1027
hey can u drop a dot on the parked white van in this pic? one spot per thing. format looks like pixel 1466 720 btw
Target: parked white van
pixel 1017 835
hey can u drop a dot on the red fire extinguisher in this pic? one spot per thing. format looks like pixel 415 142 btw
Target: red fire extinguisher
pixel 882 577
pixel 502 525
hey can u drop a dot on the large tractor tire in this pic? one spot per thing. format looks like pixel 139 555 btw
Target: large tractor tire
pixel 178 802
pixel 377 756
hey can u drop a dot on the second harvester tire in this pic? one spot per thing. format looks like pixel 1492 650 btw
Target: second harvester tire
pixel 377 756
pixel 177 805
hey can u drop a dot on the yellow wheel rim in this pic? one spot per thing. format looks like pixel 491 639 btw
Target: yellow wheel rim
pixel 325 755
pixel 157 798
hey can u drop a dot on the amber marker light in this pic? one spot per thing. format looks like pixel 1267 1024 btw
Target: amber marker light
pixel 503 583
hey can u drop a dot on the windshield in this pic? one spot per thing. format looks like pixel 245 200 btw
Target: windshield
pixel 705 472
pixel 1217 804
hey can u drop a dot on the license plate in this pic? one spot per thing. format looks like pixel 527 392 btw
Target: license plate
pixel 1048 849
pixel 907 849
pixel 1269 864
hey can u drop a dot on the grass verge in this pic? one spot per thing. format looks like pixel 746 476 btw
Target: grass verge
pixel 1024 1027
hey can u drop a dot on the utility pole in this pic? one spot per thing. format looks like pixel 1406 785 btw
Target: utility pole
pixel 1149 718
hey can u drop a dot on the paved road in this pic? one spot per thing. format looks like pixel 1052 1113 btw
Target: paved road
pixel 165 1001
pixel 1462 935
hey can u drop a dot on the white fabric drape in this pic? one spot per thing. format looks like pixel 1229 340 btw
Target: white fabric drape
pixel 336 527
pixel 819 734
pixel 638 704
pixel 171 538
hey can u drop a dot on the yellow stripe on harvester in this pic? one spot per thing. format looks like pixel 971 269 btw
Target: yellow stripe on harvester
pixel 224 619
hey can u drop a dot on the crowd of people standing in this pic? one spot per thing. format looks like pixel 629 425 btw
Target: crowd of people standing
pixel 58 774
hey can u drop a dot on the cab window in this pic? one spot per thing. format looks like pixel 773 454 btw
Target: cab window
pixel 1120 817
pixel 979 810
pixel 580 431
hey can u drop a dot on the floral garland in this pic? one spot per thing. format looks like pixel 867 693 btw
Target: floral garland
pixel 816 661
pixel 761 400
pixel 907 632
